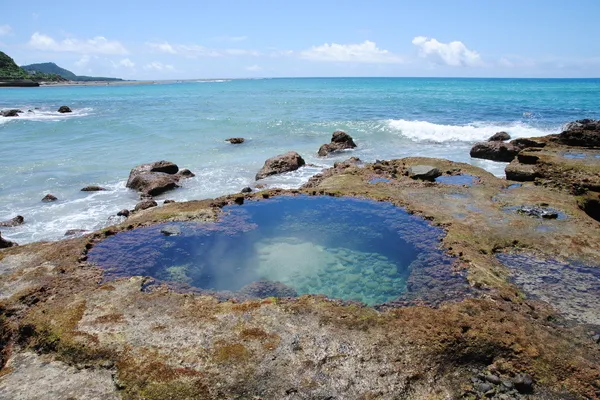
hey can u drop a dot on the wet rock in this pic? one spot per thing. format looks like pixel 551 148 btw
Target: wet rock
pixel 123 213
pixel 6 243
pixel 495 151
pixel 64 109
pixel 499 137
pixel 493 379
pixel 72 232
pixel 583 133
pixel 523 383
pixel 145 204
pixel 247 189
pixel 287 162
pixel 10 113
pixel 340 140
pixel 424 172
pixel 347 163
pixel 235 140
pixel 524 143
pixel 169 201
pixel 516 171
pixel 171 230
pixel 92 188
pixel 16 221
pixel 154 178
pixel 49 197
pixel 537 212
pixel 263 289
pixel 185 173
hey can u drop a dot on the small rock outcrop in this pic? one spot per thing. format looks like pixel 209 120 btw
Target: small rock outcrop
pixel 10 113
pixel 495 151
pixel 6 243
pixel 582 133
pixel 524 143
pixel 247 189
pixel 145 204
pixel 424 172
pixel 155 178
pixel 16 221
pixel 92 188
pixel 123 213
pixel 499 137
pixel 340 140
pixel 186 173
pixel 287 162
pixel 64 109
pixel 49 197
pixel 235 140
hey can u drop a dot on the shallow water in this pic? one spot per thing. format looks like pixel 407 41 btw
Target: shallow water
pixel 341 247
pixel 462 179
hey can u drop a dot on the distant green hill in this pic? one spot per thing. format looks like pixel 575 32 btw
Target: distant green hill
pixel 51 68
pixel 10 71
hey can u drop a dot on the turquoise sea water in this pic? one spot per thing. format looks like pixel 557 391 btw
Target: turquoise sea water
pixel 114 128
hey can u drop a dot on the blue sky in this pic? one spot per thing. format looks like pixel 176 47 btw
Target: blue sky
pixel 236 39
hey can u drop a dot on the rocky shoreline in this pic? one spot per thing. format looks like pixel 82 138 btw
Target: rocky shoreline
pixel 529 249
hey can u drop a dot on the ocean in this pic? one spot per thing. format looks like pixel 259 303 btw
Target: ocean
pixel 114 128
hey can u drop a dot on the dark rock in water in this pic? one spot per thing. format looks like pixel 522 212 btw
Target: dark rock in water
pixel 10 113
pixel 49 197
pixel 18 220
pixel 72 232
pixel 154 178
pixel 340 140
pixel 145 204
pixel 171 230
pixel 123 213
pixel 537 212
pixel 185 173
pixel 169 201
pixel 583 133
pixel 499 137
pixel 424 172
pixel 495 151
pixel 524 143
pixel 235 140
pixel 287 162
pixel 263 289
pixel 6 243
pixel 64 109
pixel 247 190
pixel 523 383
pixel 92 188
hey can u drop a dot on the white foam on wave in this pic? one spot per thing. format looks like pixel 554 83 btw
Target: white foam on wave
pixel 47 115
pixel 426 131
pixel 214 81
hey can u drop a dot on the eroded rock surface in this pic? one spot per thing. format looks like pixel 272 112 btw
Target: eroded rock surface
pixel 155 178
pixel 15 221
pixel 340 140
pixel 499 137
pixel 495 150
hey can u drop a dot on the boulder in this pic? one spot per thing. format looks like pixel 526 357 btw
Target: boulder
pixel 496 151
pixel 424 172
pixel 524 143
pixel 92 188
pixel 18 220
pixel 6 243
pixel 185 173
pixel 123 213
pixel 582 133
pixel 235 140
pixel 499 137
pixel 145 204
pixel 247 189
pixel 169 201
pixel 340 140
pixel 154 178
pixel 64 109
pixel 10 113
pixel 49 197
pixel 287 162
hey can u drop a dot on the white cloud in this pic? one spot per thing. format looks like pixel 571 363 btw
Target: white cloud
pixel 83 61
pixel 158 66
pixel 254 68
pixel 126 62
pixel 195 50
pixel 455 53
pixel 5 30
pixel 96 45
pixel 366 52
pixel 164 47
